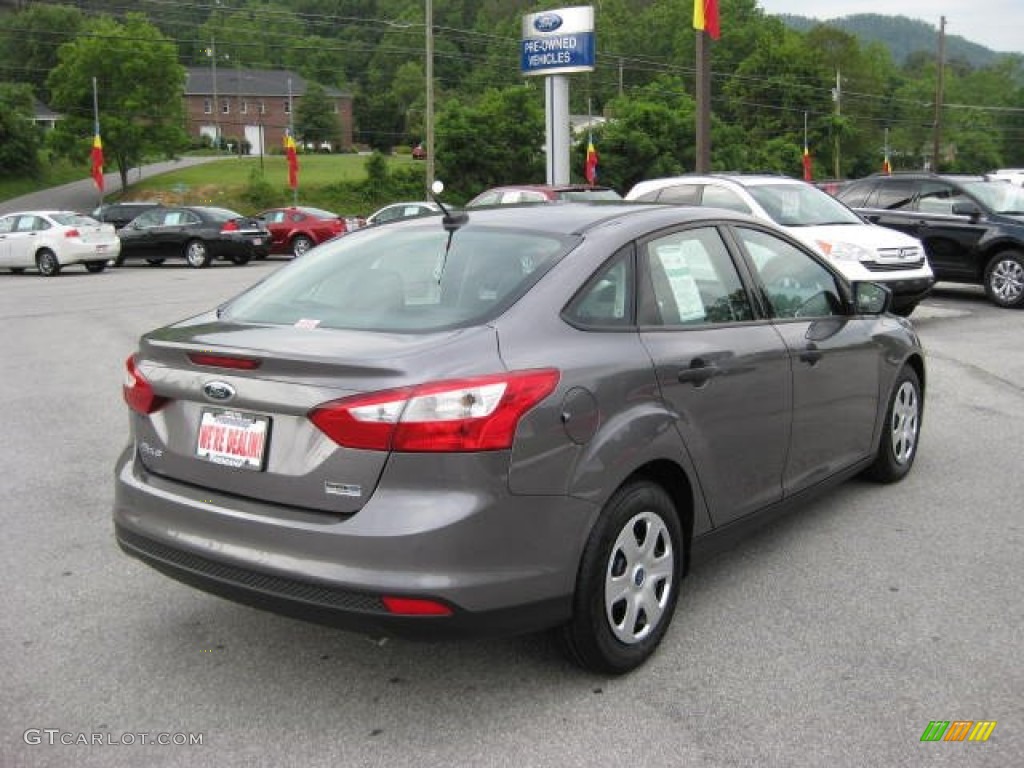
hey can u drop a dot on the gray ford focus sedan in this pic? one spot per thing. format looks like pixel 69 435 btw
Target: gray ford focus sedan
pixel 513 420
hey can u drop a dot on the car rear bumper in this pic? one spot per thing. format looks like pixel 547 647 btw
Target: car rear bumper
pixel 501 565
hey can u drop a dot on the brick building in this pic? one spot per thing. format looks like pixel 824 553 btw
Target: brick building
pixel 253 105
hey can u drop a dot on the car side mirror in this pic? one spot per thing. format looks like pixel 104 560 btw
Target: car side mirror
pixel 871 298
pixel 967 208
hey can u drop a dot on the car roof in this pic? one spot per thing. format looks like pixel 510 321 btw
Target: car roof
pixel 576 218
pixel 740 179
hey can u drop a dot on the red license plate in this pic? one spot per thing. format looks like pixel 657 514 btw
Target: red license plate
pixel 233 439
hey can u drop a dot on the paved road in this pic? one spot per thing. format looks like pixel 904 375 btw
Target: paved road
pixel 82 195
pixel 830 638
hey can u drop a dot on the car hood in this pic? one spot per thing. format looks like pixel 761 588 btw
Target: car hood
pixel 865 235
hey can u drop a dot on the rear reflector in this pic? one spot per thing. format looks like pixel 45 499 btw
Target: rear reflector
pixel 474 414
pixel 138 392
pixel 413 606
pixel 224 361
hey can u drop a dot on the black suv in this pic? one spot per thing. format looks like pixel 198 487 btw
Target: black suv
pixel 120 214
pixel 972 229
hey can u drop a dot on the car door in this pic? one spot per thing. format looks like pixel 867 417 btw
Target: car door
pixel 171 234
pixel 138 238
pixel 833 356
pixel 950 238
pixel 725 372
pixel 25 239
pixel 6 228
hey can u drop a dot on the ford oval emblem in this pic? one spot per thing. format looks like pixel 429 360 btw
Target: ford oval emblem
pixel 219 391
pixel 547 22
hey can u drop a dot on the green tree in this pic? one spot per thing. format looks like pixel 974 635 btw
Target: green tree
pixel 315 121
pixel 497 140
pixel 140 85
pixel 29 40
pixel 19 139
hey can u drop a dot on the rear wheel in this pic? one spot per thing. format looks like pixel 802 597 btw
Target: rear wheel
pixel 46 262
pixel 1004 279
pixel 301 244
pixel 196 254
pixel 900 432
pixel 95 266
pixel 628 582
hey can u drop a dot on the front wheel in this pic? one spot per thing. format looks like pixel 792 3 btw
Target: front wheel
pixel 300 245
pixel 628 581
pixel 1004 279
pixel 900 432
pixel 47 263
pixel 196 254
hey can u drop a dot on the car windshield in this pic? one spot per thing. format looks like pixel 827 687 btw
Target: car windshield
pixel 403 279
pixel 998 196
pixel 589 194
pixel 801 205
pixel 74 220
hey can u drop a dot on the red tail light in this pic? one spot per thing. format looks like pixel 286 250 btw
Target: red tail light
pixel 414 606
pixel 224 361
pixel 474 414
pixel 230 226
pixel 72 233
pixel 138 392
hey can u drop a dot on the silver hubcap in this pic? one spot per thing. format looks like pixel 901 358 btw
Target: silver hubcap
pixel 1007 281
pixel 196 253
pixel 638 581
pixel 301 246
pixel 904 423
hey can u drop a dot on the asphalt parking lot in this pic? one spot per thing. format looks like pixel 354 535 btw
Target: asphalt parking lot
pixel 831 637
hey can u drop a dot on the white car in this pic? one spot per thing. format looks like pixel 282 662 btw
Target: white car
pixel 861 251
pixel 51 240
pixel 1012 175
pixel 397 211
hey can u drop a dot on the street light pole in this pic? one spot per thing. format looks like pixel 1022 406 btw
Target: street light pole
pixel 216 106
pixel 429 117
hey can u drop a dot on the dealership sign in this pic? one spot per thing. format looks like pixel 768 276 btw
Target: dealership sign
pixel 558 42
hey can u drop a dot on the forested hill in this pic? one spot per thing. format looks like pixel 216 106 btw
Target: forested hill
pixel 901 35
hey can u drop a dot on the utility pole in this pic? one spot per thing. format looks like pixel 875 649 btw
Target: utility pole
pixel 428 118
pixel 703 138
pixel 937 140
pixel 837 96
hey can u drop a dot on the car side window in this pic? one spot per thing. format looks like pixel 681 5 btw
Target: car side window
pixel 7 224
pixel 688 278
pixel 188 218
pixel 275 217
pixel 793 284
pixel 30 224
pixel 894 195
pixel 939 197
pixel 607 298
pixel 719 197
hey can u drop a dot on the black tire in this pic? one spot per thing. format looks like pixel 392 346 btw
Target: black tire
pixel 155 261
pixel 95 266
pixel 901 430
pixel 46 262
pixel 1004 279
pixel 197 254
pixel 634 557
pixel 17 270
pixel 241 259
pixel 301 244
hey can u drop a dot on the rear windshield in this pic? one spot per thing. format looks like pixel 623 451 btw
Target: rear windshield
pixel 403 279
pixel 75 220
pixel 221 214
pixel 589 194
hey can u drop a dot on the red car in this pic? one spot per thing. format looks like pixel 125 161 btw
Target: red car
pixel 295 230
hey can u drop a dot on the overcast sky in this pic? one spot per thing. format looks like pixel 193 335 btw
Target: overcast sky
pixel 996 24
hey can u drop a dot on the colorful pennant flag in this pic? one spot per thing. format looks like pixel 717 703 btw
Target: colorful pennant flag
pixel 590 167
pixel 886 165
pixel 293 160
pixel 808 175
pixel 97 160
pixel 705 17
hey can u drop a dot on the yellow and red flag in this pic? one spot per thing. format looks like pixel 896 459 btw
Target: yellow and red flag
pixel 293 160
pixel 886 165
pixel 97 161
pixel 590 167
pixel 808 175
pixel 705 17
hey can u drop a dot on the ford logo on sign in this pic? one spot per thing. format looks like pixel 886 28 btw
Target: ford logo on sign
pixel 219 391
pixel 547 22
